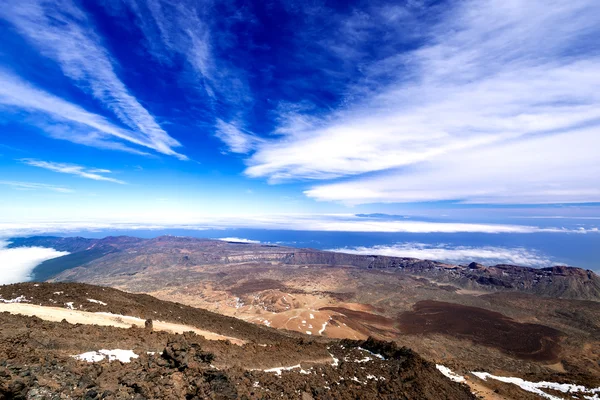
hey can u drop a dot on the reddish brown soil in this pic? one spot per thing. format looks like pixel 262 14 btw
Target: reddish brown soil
pixel 36 362
pixel 362 316
pixel 256 285
pixel 526 341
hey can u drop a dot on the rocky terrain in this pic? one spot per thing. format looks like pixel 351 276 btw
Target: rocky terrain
pixel 51 360
pixel 532 324
pixel 558 281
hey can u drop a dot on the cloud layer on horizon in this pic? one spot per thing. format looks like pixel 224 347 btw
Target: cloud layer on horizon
pixel 487 255
pixel 298 222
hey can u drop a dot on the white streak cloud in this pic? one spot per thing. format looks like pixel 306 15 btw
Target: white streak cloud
pixel 488 255
pixel 72 169
pixel 35 186
pixel 500 106
pixel 236 140
pixel 62 32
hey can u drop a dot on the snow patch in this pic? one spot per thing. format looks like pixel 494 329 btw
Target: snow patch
pixel 20 299
pixel 447 372
pixel 112 355
pixel 97 302
pixel 323 327
pixel 336 361
pixel 371 353
pixel 278 370
pixel 535 387
pixel 69 305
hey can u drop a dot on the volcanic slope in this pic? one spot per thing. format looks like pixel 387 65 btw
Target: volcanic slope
pixel 534 324
pixel 44 359
pixel 133 255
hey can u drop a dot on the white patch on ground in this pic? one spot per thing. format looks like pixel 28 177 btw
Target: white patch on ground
pixel 18 263
pixel 69 305
pixel 238 303
pixel 322 330
pixel 447 372
pixel 308 332
pixel 20 299
pixel 278 370
pixel 112 355
pixel 58 293
pixel 535 387
pixel 335 362
pixel 312 316
pixel 97 302
pixel 371 353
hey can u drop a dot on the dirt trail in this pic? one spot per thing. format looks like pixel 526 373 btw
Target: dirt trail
pixel 105 319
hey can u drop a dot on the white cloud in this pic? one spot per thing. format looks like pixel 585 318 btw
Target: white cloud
pixel 62 32
pixel 500 106
pixel 489 255
pixel 72 169
pixel 14 92
pixel 550 169
pixel 172 219
pixel 35 186
pixel 239 240
pixel 236 140
pixel 17 264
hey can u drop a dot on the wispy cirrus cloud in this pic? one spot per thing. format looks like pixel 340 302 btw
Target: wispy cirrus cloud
pixel 236 140
pixel 74 123
pixel 182 30
pixel 62 32
pixel 499 104
pixel 72 169
pixel 35 186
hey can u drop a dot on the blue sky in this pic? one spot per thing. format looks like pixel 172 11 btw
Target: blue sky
pixel 156 110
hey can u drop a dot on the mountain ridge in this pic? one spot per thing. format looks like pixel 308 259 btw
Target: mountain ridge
pixel 556 281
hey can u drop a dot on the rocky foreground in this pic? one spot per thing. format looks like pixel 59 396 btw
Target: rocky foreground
pixel 54 360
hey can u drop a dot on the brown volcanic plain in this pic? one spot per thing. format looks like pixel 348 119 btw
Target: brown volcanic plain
pixel 536 324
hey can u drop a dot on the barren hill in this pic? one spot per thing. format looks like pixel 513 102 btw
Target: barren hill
pixel 535 324
pixel 41 359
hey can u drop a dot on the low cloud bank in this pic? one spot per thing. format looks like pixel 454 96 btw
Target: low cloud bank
pixel 238 240
pixel 17 264
pixel 457 254
pixel 301 222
